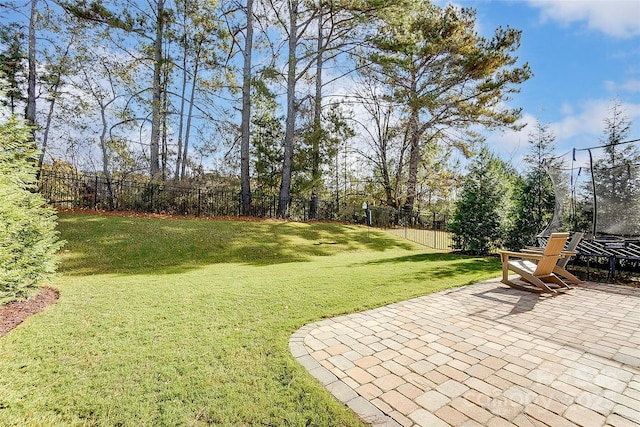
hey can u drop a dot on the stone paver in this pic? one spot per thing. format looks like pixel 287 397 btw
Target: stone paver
pixel 485 355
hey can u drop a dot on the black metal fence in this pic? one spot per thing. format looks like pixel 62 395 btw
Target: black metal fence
pixel 90 191
pixel 95 192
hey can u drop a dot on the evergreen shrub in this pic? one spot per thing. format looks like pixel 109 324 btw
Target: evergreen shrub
pixel 28 238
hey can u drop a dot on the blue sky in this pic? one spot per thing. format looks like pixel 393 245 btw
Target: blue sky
pixel 583 54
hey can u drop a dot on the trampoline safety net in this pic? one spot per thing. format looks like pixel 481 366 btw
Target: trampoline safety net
pixel 599 192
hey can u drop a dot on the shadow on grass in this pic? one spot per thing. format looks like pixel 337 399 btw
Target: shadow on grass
pixel 423 257
pixel 126 245
pixel 454 265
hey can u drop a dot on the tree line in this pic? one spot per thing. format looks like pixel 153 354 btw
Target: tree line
pixel 293 98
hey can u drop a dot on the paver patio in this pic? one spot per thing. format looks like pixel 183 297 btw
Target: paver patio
pixel 485 355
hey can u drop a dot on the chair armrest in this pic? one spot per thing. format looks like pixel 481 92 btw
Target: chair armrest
pixel 563 254
pixel 527 255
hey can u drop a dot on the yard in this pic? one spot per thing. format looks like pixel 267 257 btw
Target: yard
pixel 186 322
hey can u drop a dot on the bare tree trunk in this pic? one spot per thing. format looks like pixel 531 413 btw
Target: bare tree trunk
pixel 165 106
pixel 317 121
pixel 185 152
pixel 383 126
pixel 156 104
pixel 54 97
pixel 284 201
pixel 105 152
pixel 414 161
pixel 386 179
pixel 183 101
pixel 246 114
pixel 30 112
pixel 45 136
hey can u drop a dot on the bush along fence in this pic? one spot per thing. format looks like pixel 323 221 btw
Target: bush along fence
pixel 95 192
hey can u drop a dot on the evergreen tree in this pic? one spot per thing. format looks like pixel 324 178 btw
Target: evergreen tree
pixel 478 224
pixel 533 196
pixel 617 179
pixel 335 131
pixel 28 240
pixel 267 133
pixel 12 58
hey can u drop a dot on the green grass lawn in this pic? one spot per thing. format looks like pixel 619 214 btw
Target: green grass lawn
pixel 166 322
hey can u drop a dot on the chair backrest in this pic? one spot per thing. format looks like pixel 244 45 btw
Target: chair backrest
pixel 551 253
pixel 571 247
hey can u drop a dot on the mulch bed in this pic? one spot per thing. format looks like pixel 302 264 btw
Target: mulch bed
pixel 12 314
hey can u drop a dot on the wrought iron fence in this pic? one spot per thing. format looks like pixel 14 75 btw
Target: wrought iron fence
pixel 67 190
pixel 89 191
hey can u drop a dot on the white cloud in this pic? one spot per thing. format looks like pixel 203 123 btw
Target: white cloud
pixel 589 121
pixel 567 109
pixel 631 86
pixel 617 18
pixel 581 126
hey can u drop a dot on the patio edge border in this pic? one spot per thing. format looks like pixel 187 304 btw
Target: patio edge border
pixel 366 410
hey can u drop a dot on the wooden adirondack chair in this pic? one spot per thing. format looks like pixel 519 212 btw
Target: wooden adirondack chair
pixel 536 269
pixel 568 252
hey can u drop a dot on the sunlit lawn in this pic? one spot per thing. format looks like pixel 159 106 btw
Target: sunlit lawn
pixel 181 322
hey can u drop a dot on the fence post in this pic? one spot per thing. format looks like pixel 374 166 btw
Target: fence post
pixel 435 242
pixel 199 202
pixel 95 194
